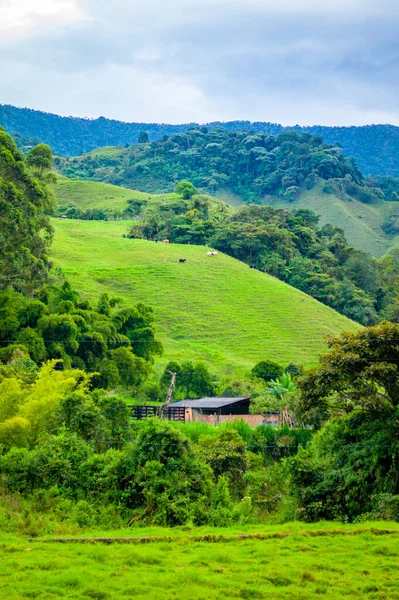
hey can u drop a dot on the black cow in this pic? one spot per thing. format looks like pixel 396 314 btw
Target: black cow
pixel 182 260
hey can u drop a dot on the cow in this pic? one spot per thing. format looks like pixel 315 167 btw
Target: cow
pixel 252 266
pixel 165 241
pixel 212 253
pixel 182 260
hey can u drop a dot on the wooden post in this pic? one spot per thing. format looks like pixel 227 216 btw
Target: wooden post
pixel 162 409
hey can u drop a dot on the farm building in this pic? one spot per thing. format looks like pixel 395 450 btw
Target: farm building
pixel 223 410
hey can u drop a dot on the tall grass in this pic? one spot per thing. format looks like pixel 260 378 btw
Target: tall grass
pixel 195 429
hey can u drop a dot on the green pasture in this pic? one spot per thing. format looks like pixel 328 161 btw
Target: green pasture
pixel 298 561
pixel 362 223
pixel 90 194
pixel 214 309
pixel 111 198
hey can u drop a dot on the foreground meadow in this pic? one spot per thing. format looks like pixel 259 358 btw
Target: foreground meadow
pixel 307 561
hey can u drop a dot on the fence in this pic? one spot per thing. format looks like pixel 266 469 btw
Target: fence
pixel 173 413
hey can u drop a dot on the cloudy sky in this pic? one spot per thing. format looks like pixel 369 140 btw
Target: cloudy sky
pixel 332 62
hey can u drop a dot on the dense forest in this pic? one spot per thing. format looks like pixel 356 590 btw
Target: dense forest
pixel 287 244
pixel 374 147
pixel 249 166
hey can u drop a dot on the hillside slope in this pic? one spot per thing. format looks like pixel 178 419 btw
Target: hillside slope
pixel 90 195
pixel 212 309
pixel 374 147
pixel 112 199
pixel 362 223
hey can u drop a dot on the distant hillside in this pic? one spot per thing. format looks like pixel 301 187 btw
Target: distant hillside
pixel 375 147
pixel 113 201
pixel 249 166
pixel 212 309
pixel 372 227
pixel 288 244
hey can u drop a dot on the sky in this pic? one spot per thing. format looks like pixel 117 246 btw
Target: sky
pixel 329 62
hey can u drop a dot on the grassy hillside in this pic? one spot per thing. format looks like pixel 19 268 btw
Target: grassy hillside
pixel 213 309
pixel 111 198
pixel 89 194
pixel 362 223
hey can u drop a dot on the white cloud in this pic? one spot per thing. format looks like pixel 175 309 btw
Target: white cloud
pixel 126 93
pixel 288 61
pixel 17 17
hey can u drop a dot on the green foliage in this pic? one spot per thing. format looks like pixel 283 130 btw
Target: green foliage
pixel 287 245
pixel 185 189
pixel 40 162
pixel 143 138
pixel 360 372
pixel 226 453
pixel 374 147
pixel 26 409
pixel 267 370
pixel 246 164
pixel 278 396
pixel 347 469
pixel 25 229
pixel 192 380
pixel 118 345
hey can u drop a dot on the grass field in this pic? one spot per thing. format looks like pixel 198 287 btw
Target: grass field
pixel 362 223
pixel 89 194
pixel 212 309
pixel 309 562
pixel 111 198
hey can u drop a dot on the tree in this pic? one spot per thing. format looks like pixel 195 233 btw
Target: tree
pixel 40 161
pixel 267 370
pixel 25 229
pixel 143 138
pixel 277 397
pixel 360 372
pixel 186 189
pixel 226 453
pixel 192 380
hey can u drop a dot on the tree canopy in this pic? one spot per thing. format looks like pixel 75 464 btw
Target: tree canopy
pixel 360 372
pixel 25 230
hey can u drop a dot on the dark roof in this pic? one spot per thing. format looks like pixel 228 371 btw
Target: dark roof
pixel 210 402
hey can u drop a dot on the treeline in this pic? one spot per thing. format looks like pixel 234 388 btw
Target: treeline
pixel 74 454
pixel 248 165
pixel 64 446
pixel 287 244
pixel 374 147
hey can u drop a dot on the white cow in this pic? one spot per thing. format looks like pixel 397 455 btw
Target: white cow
pixel 212 253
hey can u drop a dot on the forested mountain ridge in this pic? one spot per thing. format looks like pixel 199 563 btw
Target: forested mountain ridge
pixel 374 147
pixel 290 171
pixel 248 166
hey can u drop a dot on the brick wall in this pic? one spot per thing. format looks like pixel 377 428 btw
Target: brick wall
pixel 250 419
pixel 195 415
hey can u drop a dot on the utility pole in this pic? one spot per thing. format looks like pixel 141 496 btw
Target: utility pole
pixel 162 409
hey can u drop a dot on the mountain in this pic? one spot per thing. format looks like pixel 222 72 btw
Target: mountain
pixel 289 171
pixel 213 309
pixel 249 166
pixel 375 147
